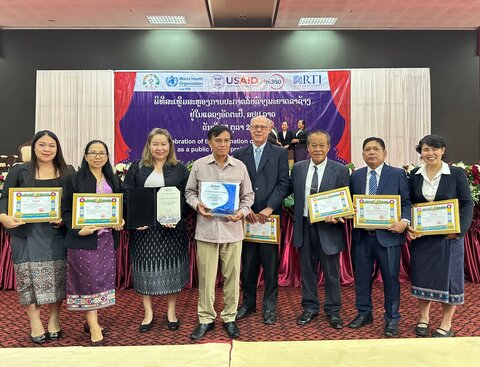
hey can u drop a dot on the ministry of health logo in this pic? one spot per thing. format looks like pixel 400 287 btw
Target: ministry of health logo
pixel 217 81
pixel 171 81
pixel 151 81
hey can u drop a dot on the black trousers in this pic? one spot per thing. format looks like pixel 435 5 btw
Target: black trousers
pixel 311 253
pixel 254 255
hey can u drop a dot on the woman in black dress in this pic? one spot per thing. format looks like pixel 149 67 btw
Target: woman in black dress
pixel 158 254
pixel 39 257
pixel 437 260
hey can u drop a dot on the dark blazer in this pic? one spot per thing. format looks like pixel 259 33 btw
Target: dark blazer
pixel 336 175
pixel 270 183
pixel 18 176
pixel 288 137
pixel 454 185
pixel 301 135
pixel 393 181
pixel 73 239
pixel 272 138
pixel 174 175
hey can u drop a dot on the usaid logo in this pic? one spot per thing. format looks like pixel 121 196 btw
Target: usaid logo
pixel 217 81
pixel 172 81
pixel 307 79
pixel 151 81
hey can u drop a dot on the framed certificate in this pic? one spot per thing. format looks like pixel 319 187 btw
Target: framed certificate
pixel 222 198
pixel 269 232
pixel 335 203
pixel 168 205
pixel 35 204
pixel 376 211
pixel 436 217
pixel 102 210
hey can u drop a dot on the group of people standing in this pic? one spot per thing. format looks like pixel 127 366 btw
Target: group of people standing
pixel 294 141
pixel 54 262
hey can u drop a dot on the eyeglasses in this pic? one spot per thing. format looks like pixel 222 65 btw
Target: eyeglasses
pixel 94 154
pixel 258 127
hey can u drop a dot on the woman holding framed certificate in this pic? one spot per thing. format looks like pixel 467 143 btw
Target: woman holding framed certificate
pixel 91 261
pixel 158 251
pixel 437 259
pixel 38 254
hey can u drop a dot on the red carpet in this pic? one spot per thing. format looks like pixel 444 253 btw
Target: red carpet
pixel 123 319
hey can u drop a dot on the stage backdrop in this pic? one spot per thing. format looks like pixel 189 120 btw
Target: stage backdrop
pixel 189 103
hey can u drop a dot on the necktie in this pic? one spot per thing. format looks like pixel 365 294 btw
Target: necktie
pixel 258 155
pixel 372 185
pixel 314 184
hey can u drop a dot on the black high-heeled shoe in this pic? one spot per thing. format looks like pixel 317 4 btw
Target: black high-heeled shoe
pixel 86 329
pixel 40 339
pixel 172 325
pixel 143 328
pixel 54 335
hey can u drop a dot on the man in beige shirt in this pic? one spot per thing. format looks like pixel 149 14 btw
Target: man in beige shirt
pixel 218 236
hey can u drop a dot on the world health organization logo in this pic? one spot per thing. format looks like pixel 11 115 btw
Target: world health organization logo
pixel 217 81
pixel 151 81
pixel 171 81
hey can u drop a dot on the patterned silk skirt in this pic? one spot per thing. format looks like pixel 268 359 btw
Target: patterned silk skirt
pixel 91 276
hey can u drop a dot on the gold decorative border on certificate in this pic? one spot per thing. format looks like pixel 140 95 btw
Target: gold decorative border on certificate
pixel 273 239
pixel 14 199
pixel 345 213
pixel 115 219
pixel 455 228
pixel 357 223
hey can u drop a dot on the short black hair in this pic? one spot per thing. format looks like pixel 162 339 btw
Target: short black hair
pixel 435 141
pixel 217 130
pixel 373 138
pixel 319 131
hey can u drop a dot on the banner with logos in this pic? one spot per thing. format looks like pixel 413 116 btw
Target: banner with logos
pixel 189 103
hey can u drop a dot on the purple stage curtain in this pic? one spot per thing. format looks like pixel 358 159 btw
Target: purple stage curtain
pixel 289 266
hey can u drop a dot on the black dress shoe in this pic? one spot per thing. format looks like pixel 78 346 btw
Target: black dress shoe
pixel 442 333
pixel 306 317
pixel 97 343
pixel 244 311
pixel 143 328
pixel 421 329
pixel 231 329
pixel 172 325
pixel 335 321
pixel 39 339
pixel 391 329
pixel 361 320
pixel 269 317
pixel 54 335
pixel 201 330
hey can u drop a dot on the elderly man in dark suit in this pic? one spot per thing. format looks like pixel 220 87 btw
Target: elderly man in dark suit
pixel 320 241
pixel 267 166
pixel 381 245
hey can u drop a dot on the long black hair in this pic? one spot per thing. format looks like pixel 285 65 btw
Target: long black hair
pixel 61 168
pixel 107 170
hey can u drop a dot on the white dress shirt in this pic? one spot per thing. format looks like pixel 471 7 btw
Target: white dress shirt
pixel 430 187
pixel 308 181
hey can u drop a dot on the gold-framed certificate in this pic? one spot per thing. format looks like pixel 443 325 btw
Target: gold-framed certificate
pixel 268 232
pixel 376 211
pixel 102 210
pixel 436 217
pixel 333 203
pixel 35 204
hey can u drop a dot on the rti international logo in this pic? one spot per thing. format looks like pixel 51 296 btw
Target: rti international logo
pixel 307 79
pixel 151 81
pixel 172 81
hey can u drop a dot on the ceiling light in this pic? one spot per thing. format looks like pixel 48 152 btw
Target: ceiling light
pixel 166 19
pixel 317 21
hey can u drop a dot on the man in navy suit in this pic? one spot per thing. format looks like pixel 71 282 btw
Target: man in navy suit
pixel 381 245
pixel 267 166
pixel 320 241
